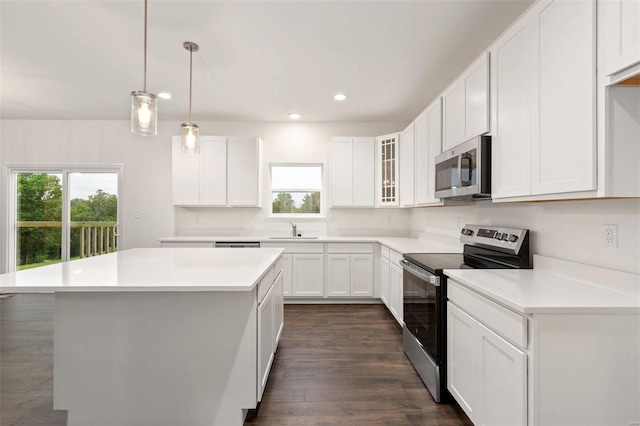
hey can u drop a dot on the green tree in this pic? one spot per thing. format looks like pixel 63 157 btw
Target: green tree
pixel 310 203
pixel 99 207
pixel 283 203
pixel 39 199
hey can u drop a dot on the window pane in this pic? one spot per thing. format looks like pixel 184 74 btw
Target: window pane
pixel 305 177
pixel 94 213
pixel 39 220
pixel 296 202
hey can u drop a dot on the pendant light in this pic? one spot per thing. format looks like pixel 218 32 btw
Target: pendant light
pixel 144 108
pixel 190 131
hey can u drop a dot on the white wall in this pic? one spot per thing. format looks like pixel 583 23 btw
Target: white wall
pixel 147 163
pixel 570 230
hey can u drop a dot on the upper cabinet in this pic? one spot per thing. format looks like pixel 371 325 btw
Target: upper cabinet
pixel 352 171
pixel 619 30
pixel 407 152
pixel 226 172
pixel 387 163
pixel 427 144
pixel 543 109
pixel 465 105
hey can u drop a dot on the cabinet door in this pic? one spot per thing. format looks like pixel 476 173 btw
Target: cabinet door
pixel 395 291
pixel 564 141
pixel 213 171
pixel 453 116
pixel 434 114
pixel 338 276
pixel 308 275
pixel 185 175
pixel 278 309
pixel 361 275
pixel 421 150
pixel 462 377
pixel 244 171
pixel 407 141
pixel 265 340
pixel 364 159
pixel 511 128
pixel 476 99
pixel 619 27
pixel 341 172
pixel 503 380
pixel 287 274
pixel 384 282
pixel 388 170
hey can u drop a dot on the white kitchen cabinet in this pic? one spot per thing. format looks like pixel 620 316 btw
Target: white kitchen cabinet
pixel 352 166
pixel 278 307
pixel 226 172
pixel 349 270
pixel 466 105
pixel 619 32
pixel 384 281
pixel 407 188
pixel 266 331
pixel 244 178
pixel 308 275
pixel 338 274
pixel 287 274
pixel 200 179
pixel 543 111
pixel 395 291
pixel 387 170
pixel 428 144
pixel 486 374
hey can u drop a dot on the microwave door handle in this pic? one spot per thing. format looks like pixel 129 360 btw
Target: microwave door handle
pixel 460 170
pixel 466 182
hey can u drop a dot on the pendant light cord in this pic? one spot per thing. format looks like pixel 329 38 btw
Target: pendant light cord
pixel 190 79
pixel 144 79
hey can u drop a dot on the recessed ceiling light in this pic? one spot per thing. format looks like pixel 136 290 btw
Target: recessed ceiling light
pixel 340 97
pixel 294 116
pixel 164 95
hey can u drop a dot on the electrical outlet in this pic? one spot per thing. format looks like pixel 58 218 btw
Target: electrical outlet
pixel 197 218
pixel 136 214
pixel 610 235
pixel 241 218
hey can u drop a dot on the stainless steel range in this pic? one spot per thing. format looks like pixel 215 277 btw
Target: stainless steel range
pixel 425 293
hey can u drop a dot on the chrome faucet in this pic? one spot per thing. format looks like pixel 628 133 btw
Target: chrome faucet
pixel 294 230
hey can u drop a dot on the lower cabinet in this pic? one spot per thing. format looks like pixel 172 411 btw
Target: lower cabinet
pixel 486 374
pixel 395 291
pixel 349 275
pixel 384 280
pixel 270 324
pixel 308 275
pixel 287 274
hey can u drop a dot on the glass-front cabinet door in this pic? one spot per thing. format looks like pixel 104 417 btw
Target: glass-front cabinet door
pixel 387 185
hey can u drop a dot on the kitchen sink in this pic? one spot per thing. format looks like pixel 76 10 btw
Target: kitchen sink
pixel 293 238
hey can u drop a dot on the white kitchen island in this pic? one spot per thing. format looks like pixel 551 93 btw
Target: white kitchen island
pixel 161 336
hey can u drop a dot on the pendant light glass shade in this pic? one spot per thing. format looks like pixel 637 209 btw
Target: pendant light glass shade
pixel 190 138
pixel 144 108
pixel 190 131
pixel 144 113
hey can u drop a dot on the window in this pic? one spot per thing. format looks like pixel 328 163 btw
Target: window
pixel 59 214
pixel 296 189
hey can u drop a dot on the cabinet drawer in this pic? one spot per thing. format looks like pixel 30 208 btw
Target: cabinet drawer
pixel 506 323
pixel 395 257
pixel 349 248
pixel 297 247
pixel 265 283
pixel 384 250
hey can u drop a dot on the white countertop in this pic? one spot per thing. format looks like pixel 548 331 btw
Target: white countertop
pixel 559 287
pixel 399 244
pixel 149 269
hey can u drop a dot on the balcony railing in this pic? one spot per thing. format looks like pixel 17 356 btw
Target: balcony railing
pixel 96 238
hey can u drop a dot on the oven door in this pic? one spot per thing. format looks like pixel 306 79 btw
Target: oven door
pixel 422 296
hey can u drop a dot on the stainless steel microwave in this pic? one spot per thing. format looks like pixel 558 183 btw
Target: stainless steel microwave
pixel 464 172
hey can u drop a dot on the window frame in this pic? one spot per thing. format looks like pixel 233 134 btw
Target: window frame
pixel 297 216
pixel 10 208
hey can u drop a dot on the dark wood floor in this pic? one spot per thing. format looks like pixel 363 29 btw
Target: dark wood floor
pixel 344 364
pixel 336 364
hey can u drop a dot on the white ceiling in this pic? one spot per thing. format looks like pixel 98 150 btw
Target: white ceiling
pixel 258 61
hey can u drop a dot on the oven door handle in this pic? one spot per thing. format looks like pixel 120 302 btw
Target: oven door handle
pixel 425 276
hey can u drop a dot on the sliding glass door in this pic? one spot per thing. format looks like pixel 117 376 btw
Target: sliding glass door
pixel 63 214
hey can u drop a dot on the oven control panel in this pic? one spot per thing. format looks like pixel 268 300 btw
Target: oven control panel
pixel 494 236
